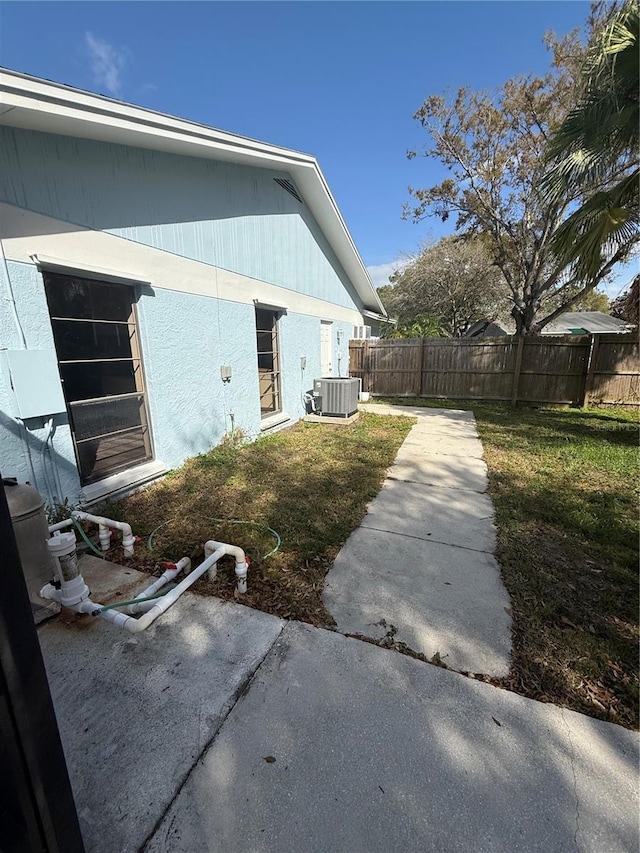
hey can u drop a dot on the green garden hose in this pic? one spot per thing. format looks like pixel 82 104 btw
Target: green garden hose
pixel 273 532
pixel 87 540
pixel 153 533
pixel 133 601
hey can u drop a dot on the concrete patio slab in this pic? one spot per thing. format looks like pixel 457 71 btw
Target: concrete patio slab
pixel 109 582
pixel 136 711
pixel 455 517
pixel 341 746
pixel 441 598
pixel 448 472
pixel 436 420
pixel 448 420
pixel 442 443
pixel 422 559
pixel 418 411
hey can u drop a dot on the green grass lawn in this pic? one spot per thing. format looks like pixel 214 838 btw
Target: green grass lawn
pixel 309 483
pixel 565 487
pixel 564 483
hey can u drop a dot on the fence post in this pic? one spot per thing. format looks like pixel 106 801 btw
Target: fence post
pixel 366 378
pixel 420 358
pixel 591 367
pixel 516 371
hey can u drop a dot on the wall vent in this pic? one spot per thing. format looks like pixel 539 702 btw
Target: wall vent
pixel 289 187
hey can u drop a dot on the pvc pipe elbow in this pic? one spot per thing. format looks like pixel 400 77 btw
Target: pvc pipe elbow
pixel 211 547
pixel 105 524
pixel 48 592
pixel 236 552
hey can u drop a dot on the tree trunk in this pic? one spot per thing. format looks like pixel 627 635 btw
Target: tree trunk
pixel 524 318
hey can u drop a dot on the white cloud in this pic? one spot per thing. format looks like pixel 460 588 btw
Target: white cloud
pixel 107 63
pixel 380 272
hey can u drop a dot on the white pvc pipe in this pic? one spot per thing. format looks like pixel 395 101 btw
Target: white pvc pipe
pixel 129 622
pixel 60 525
pixel 163 604
pixel 233 551
pixel 167 575
pixel 104 525
pixel 157 608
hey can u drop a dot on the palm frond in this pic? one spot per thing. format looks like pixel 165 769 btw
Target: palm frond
pixel 597 140
pixel 605 222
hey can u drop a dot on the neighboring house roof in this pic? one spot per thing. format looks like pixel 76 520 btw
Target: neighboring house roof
pixel 35 104
pixel 592 322
pixel 487 329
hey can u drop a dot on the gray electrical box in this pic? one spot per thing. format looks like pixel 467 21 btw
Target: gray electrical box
pixel 33 382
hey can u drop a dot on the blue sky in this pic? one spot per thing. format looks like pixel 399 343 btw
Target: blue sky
pixel 340 80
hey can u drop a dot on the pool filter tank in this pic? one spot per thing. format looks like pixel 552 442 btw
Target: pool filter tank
pixel 26 507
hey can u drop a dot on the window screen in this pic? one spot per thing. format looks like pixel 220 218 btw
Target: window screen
pixel 94 331
pixel 268 362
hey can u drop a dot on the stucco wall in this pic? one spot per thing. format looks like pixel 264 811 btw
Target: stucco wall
pixel 230 216
pixel 21 444
pixel 185 339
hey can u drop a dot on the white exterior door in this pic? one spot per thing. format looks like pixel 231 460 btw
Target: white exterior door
pixel 326 361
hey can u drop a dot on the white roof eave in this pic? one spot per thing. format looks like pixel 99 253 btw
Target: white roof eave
pixel 36 104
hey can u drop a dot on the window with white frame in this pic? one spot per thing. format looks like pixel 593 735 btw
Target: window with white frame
pixel 96 340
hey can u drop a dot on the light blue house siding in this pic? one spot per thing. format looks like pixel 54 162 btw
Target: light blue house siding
pixel 23 451
pixel 230 216
pixel 226 216
pixel 184 338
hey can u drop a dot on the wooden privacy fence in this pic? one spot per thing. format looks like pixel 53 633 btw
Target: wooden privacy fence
pixel 571 369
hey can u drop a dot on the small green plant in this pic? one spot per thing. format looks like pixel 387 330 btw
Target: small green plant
pixel 234 439
pixel 57 511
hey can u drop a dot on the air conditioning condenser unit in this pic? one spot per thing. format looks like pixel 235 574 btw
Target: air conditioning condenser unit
pixel 361 332
pixel 336 397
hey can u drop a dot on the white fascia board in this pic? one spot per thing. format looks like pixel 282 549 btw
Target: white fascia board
pixel 34 104
pixel 322 204
pixel 380 318
pixel 56 99
pixel 73 120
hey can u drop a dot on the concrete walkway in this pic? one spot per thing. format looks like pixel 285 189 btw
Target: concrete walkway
pixel 422 559
pixel 223 728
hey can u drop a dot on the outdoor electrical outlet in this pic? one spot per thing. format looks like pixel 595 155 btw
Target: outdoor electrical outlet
pixel 303 362
pixel 225 373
